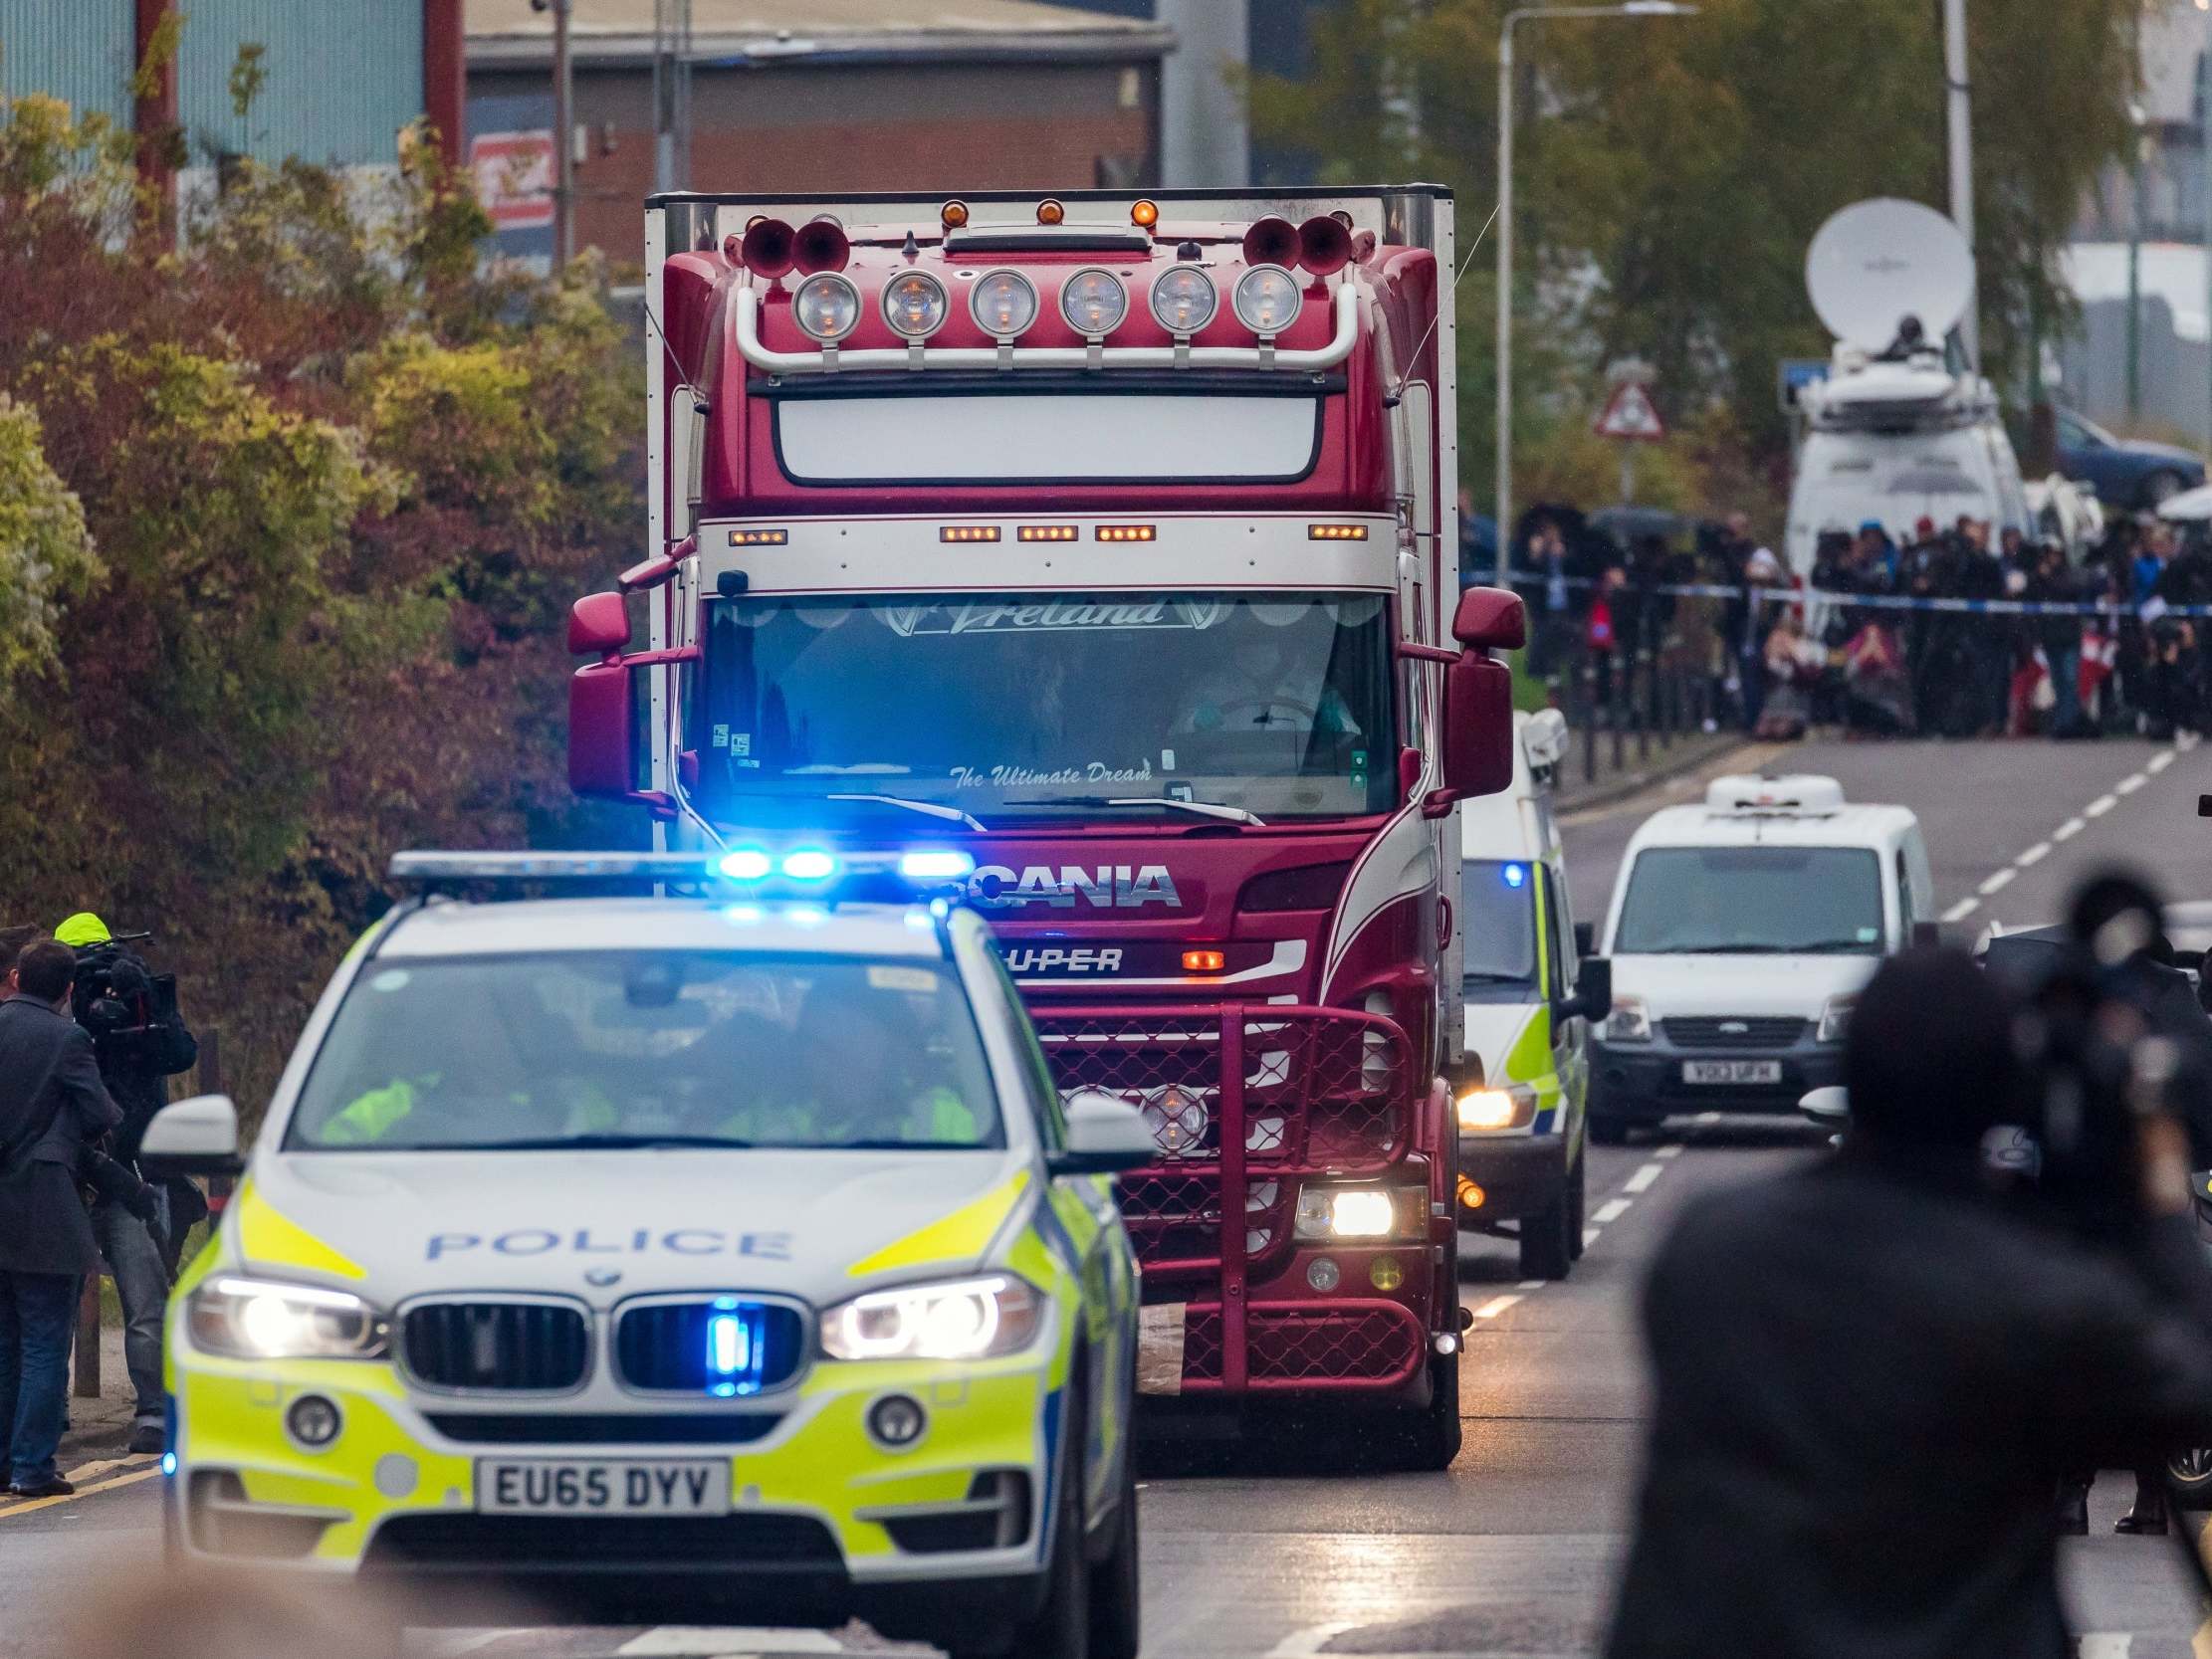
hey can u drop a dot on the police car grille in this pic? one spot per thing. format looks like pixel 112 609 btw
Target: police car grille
pixel 1733 1031
pixel 666 1347
pixel 538 1346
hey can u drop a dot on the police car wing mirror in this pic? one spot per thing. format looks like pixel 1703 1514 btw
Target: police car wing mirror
pixel 196 1137
pixel 1105 1136
pixel 1592 998
pixel 1830 1106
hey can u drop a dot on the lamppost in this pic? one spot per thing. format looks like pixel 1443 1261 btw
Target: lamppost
pixel 1627 8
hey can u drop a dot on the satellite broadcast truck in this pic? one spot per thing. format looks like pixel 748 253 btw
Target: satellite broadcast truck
pixel 1102 551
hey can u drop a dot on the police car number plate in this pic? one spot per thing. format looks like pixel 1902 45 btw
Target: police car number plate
pixel 1731 1070
pixel 601 1486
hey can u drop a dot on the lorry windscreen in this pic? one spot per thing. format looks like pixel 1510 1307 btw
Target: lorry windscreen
pixel 1031 706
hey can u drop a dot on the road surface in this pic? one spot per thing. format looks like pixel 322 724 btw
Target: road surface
pixel 1510 1553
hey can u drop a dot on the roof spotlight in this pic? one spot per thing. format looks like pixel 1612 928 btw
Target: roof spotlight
pixel 1183 300
pixel 1093 301
pixel 1004 303
pixel 914 305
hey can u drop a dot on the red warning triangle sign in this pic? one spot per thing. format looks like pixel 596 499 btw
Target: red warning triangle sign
pixel 1630 413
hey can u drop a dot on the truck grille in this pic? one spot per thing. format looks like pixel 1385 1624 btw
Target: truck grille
pixel 716 1346
pixel 1375 1344
pixel 1732 1031
pixel 536 1346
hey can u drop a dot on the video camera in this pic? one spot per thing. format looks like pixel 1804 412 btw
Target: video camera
pixel 129 1010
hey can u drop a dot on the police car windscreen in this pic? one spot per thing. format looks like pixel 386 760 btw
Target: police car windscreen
pixel 1029 705
pixel 617 1050
pixel 1497 910
pixel 1752 901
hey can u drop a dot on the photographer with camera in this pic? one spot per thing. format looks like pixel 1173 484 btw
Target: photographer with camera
pixel 1870 1374
pixel 140 1040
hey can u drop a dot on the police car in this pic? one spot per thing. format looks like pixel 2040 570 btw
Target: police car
pixel 729 1255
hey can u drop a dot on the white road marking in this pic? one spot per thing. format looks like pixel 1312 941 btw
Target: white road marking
pixel 2100 806
pixel 1610 1211
pixel 1533 1283
pixel 1589 1237
pixel 2107 1644
pixel 2069 830
pixel 2185 741
pixel 1962 909
pixel 1706 1118
pixel 1495 1305
pixel 1641 1182
pixel 2034 855
pixel 1997 883
pixel 1303 1644
pixel 2129 784
pixel 2160 761
pixel 669 1641
pixel 1676 1150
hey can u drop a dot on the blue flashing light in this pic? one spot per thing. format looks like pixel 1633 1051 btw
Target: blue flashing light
pixel 939 909
pixel 724 1390
pixel 746 864
pixel 168 1463
pixel 729 1344
pixel 736 1348
pixel 809 863
pixel 741 913
pixel 919 920
pixel 724 1304
pixel 805 916
pixel 1517 875
pixel 935 863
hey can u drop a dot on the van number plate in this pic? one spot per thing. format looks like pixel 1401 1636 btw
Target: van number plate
pixel 601 1486
pixel 1731 1070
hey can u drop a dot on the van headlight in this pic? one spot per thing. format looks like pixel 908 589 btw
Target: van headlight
pixel 1629 1021
pixel 1835 1017
pixel 263 1319
pixel 1511 1106
pixel 959 1318
pixel 1342 1213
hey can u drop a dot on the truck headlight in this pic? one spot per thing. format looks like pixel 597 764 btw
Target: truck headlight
pixel 960 1319
pixel 1629 1021
pixel 1360 1212
pixel 827 306
pixel 1835 1017
pixel 262 1319
pixel 1508 1107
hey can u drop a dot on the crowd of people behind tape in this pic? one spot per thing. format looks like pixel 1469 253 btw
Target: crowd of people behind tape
pixel 1846 645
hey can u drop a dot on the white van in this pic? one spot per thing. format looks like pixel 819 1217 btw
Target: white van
pixel 1529 1003
pixel 1740 934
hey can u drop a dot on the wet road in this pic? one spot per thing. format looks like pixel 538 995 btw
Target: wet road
pixel 1510 1553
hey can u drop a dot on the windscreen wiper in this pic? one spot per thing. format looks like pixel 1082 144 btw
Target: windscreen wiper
pixel 928 809
pixel 1202 809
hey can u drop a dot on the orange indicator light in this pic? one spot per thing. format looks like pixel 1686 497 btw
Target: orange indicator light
pixel 967 532
pixel 1204 962
pixel 759 539
pixel 1336 532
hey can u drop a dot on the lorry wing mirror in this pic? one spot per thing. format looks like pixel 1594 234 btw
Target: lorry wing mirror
pixel 598 626
pixel 1490 619
pixel 602 728
pixel 196 1137
pixel 1105 1136
pixel 1586 937
pixel 1478 730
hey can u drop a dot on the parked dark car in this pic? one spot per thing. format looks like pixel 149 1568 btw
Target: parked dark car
pixel 2126 472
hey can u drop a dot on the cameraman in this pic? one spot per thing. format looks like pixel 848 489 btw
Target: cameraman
pixel 1870 1374
pixel 141 1041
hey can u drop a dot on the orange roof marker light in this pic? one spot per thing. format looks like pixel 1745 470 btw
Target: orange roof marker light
pixel 953 215
pixel 1128 532
pixel 1336 532
pixel 967 532
pixel 1046 533
pixel 1050 212
pixel 1145 214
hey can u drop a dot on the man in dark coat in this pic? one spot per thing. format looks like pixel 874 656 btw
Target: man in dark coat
pixel 52 1106
pixel 1870 1374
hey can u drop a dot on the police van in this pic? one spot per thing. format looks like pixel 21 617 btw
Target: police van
pixel 1740 932
pixel 676 1258
pixel 1529 1001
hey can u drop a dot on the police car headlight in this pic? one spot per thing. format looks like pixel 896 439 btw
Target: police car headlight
pixel 1836 1018
pixel 260 1318
pixel 1629 1021
pixel 1507 1107
pixel 963 1319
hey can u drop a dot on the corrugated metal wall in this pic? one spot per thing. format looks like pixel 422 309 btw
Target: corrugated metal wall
pixel 75 50
pixel 344 75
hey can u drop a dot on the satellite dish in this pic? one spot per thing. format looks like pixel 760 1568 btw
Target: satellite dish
pixel 1877 262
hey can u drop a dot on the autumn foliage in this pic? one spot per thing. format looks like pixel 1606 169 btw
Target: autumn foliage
pixel 290 513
